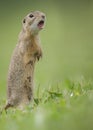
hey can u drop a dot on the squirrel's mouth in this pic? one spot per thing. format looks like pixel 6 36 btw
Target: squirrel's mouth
pixel 41 24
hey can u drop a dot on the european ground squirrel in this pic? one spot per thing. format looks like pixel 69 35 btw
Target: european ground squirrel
pixel 27 52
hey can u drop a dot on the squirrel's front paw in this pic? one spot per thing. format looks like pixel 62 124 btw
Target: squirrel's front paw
pixel 38 55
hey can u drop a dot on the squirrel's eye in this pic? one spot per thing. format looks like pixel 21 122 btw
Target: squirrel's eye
pixel 31 15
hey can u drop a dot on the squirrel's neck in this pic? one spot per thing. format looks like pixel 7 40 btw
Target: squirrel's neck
pixel 25 35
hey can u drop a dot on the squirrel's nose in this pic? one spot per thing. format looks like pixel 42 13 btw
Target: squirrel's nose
pixel 43 16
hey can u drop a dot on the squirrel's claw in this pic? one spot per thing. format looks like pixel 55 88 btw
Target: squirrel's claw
pixel 38 55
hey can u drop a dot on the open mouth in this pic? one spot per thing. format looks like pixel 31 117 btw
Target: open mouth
pixel 41 24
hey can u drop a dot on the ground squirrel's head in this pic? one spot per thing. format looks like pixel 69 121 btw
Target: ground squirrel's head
pixel 34 22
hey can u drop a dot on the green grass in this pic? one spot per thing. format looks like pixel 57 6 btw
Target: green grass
pixel 64 105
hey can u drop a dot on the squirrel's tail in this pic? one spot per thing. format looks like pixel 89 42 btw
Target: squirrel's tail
pixel 8 105
pixel 5 108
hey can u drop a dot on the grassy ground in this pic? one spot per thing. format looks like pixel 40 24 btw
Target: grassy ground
pixel 67 42
pixel 69 108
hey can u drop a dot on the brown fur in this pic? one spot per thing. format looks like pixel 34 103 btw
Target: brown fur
pixel 21 71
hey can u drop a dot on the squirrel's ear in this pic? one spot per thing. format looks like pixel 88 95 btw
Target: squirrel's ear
pixel 24 21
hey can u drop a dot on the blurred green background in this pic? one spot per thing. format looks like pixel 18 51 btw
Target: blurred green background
pixel 67 42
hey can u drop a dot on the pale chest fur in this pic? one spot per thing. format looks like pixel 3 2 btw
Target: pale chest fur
pixel 30 49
